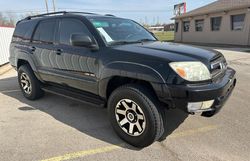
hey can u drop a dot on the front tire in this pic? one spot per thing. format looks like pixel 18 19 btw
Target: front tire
pixel 29 84
pixel 134 115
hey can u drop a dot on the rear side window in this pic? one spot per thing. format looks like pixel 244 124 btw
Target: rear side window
pixel 45 31
pixel 71 26
pixel 24 30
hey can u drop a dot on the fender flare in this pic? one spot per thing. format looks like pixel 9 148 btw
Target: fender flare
pixel 26 56
pixel 127 70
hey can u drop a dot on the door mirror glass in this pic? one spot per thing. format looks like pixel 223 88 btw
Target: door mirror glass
pixel 82 40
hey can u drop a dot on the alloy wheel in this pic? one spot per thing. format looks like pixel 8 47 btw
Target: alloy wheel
pixel 25 83
pixel 130 117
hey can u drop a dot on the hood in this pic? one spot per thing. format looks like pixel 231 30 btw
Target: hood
pixel 171 51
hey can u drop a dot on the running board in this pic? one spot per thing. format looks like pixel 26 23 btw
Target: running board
pixel 75 95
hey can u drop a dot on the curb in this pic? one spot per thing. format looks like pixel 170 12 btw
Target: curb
pixel 5 68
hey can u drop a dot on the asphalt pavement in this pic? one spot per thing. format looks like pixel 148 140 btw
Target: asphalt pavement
pixel 57 128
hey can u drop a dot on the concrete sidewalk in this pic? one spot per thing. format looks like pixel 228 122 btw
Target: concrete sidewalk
pixel 5 68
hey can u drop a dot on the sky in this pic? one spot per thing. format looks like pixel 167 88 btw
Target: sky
pixel 149 11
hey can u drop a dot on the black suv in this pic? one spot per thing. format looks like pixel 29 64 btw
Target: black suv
pixel 116 63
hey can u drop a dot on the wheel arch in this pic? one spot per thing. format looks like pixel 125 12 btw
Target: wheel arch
pixel 23 57
pixel 120 73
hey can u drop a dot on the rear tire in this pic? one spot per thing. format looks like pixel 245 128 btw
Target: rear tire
pixel 135 116
pixel 29 84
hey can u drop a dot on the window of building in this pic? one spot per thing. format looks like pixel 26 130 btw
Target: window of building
pixel 176 26
pixel 186 26
pixel 238 22
pixel 71 26
pixel 199 25
pixel 216 23
pixel 45 31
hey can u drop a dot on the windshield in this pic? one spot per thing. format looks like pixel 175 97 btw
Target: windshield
pixel 117 30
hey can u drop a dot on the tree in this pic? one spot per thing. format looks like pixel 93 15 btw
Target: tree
pixel 7 19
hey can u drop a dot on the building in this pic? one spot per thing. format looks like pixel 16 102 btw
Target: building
pixel 5 39
pixel 169 27
pixel 156 28
pixel 221 22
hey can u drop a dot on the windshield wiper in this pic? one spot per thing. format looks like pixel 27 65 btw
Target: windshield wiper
pixel 145 40
pixel 121 42
pixel 130 42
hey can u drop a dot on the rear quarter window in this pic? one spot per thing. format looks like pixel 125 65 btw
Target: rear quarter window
pixel 23 30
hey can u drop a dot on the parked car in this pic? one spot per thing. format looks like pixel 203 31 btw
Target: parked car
pixel 117 63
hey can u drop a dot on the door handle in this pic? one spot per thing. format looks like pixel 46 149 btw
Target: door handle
pixel 59 51
pixel 33 48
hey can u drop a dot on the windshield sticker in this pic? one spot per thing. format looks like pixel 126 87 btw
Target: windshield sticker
pixel 105 34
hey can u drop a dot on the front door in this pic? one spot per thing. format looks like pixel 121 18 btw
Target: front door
pixel 78 66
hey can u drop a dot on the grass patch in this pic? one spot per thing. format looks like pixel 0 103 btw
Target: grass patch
pixel 165 36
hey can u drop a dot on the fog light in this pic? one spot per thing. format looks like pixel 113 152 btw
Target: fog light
pixel 195 106
pixel 207 104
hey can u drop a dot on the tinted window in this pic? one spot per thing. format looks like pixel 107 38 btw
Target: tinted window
pixel 199 25
pixel 186 26
pixel 176 26
pixel 216 23
pixel 69 27
pixel 118 30
pixel 24 30
pixel 45 31
pixel 238 22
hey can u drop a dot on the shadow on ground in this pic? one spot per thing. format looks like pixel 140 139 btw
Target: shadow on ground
pixel 88 119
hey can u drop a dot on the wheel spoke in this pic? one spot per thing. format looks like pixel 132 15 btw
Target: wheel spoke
pixel 22 84
pixel 131 128
pixel 134 107
pixel 138 126
pixel 28 90
pixel 24 76
pixel 25 87
pixel 23 81
pixel 122 112
pixel 125 105
pixel 140 117
pixel 124 121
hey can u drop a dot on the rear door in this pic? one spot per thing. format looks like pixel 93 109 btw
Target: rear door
pixel 43 48
pixel 78 66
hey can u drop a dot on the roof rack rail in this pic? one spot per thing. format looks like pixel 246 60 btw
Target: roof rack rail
pixel 109 15
pixel 55 13
pixel 46 14
pixel 87 13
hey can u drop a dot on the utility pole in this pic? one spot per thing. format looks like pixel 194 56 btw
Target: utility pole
pixel 46 3
pixel 54 6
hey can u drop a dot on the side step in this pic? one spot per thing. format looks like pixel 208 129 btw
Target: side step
pixel 75 95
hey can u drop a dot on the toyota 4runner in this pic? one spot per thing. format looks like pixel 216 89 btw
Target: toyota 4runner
pixel 117 63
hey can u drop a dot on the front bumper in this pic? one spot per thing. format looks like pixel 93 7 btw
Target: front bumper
pixel 219 91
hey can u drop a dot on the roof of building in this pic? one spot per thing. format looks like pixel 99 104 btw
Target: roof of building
pixel 218 6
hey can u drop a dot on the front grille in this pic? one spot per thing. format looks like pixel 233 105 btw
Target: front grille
pixel 218 67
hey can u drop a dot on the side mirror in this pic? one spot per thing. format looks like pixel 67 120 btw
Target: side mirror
pixel 82 40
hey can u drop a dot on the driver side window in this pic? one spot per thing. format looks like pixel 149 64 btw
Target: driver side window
pixel 70 26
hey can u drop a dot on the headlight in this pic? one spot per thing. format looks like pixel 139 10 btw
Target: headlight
pixel 191 71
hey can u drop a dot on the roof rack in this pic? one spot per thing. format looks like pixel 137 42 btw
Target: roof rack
pixel 45 14
pixel 110 15
pixel 56 13
pixel 87 13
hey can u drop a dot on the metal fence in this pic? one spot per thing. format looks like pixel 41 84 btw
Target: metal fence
pixel 5 39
